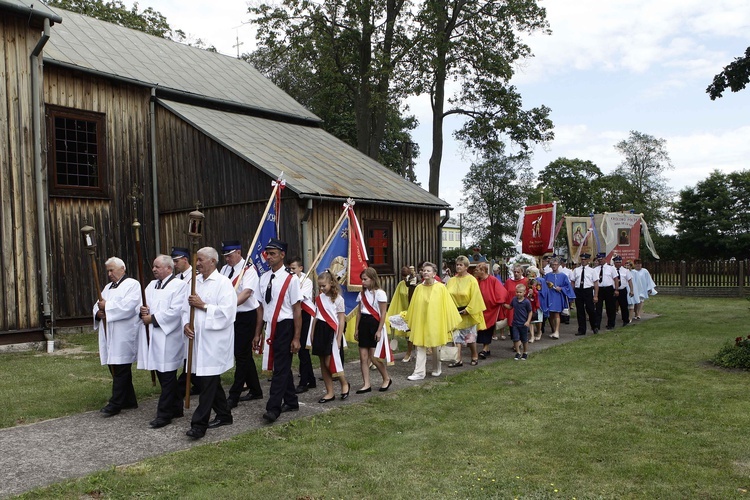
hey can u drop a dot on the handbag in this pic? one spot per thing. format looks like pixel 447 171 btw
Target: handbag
pixel 448 353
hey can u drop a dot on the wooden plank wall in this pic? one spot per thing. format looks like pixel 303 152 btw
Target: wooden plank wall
pixel 415 233
pixel 128 161
pixel 20 290
pixel 233 194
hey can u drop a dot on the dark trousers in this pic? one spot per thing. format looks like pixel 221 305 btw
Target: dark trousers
pixel 282 383
pixel 622 301
pixel 245 371
pixel 306 374
pixel 123 393
pixel 182 381
pixel 585 307
pixel 170 403
pixel 213 398
pixel 606 298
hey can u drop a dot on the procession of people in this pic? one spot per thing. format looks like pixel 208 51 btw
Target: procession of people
pixel 232 313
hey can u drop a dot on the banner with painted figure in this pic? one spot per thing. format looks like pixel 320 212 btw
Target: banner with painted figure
pixel 622 235
pixel 581 238
pixel 538 234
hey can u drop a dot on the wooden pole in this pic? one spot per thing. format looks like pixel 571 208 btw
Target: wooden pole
pixel 257 233
pixel 139 254
pixel 194 249
pixel 327 242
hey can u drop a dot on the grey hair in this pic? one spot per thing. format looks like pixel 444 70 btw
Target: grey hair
pixel 165 260
pixel 554 260
pixel 116 261
pixel 518 266
pixel 211 253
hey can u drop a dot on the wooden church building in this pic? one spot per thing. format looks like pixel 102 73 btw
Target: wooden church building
pixel 101 124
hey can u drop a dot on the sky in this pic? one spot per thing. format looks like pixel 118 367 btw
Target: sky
pixel 609 67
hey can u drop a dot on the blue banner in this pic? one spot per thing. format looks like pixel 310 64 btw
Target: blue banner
pixel 267 232
pixel 335 258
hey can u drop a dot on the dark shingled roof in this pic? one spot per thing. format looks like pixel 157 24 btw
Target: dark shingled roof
pixel 34 8
pixel 234 104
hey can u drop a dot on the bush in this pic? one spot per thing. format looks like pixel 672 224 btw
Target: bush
pixel 735 355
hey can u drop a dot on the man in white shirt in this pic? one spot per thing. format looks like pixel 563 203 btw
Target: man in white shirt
pixel 116 318
pixel 215 305
pixel 244 283
pixel 162 348
pixel 605 273
pixel 586 287
pixel 623 284
pixel 306 374
pixel 279 295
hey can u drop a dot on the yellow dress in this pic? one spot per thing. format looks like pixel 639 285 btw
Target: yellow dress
pixel 399 304
pixel 466 293
pixel 432 316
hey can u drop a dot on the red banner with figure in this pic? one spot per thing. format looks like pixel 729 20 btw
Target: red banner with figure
pixel 538 234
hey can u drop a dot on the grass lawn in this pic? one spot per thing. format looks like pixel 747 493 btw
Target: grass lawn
pixel 638 413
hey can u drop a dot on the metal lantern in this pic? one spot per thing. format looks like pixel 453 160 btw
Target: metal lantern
pixel 195 229
pixel 89 238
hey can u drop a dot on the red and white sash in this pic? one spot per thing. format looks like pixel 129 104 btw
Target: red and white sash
pixel 383 348
pixel 335 365
pixel 271 329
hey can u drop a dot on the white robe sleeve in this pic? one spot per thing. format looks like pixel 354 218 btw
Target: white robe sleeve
pixel 125 305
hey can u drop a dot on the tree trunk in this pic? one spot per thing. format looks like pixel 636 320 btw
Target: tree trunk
pixel 438 101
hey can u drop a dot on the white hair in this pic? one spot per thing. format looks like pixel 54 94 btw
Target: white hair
pixel 165 260
pixel 116 261
pixel 211 253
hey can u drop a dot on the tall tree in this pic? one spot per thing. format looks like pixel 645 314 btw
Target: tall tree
pixel 357 45
pixel 646 160
pixel 712 217
pixel 735 77
pixel 477 43
pixel 575 184
pixel 494 191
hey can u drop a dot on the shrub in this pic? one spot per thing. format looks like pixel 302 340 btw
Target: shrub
pixel 735 355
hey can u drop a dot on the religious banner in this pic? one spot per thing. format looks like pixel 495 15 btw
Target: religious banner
pixel 621 234
pixel 538 234
pixel 580 237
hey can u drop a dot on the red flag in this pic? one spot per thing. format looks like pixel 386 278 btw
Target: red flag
pixel 538 229
pixel 357 261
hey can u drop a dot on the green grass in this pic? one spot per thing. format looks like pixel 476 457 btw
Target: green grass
pixel 639 413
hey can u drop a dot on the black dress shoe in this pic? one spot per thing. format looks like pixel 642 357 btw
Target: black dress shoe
pixel 383 389
pixel 300 389
pixel 159 422
pixel 195 433
pixel 131 406
pixel 581 333
pixel 270 417
pixel 596 330
pixel 109 411
pixel 213 424
pixel 363 391
pixel 326 400
pixel 251 397
pixel 231 403
pixel 345 395
pixel 178 414
pixel 285 408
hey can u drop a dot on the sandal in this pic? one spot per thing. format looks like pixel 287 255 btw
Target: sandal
pixel 474 362
pixel 482 355
pixel 456 364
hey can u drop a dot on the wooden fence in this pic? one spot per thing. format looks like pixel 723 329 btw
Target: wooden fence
pixel 722 278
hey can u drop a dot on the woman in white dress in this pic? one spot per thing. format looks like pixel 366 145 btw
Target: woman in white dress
pixel 643 285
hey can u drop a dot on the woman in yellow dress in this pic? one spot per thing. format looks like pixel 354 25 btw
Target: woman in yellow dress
pixel 432 316
pixel 464 289
pixel 400 303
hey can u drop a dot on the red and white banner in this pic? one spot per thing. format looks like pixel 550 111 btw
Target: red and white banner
pixel 538 235
pixel 621 233
pixel 357 261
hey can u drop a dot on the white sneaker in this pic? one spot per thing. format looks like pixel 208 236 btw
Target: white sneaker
pixel 437 374
pixel 415 377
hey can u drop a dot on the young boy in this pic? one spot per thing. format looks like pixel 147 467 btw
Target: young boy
pixel 519 330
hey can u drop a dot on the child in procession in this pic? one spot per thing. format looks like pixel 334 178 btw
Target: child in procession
pixel 519 330
pixel 370 322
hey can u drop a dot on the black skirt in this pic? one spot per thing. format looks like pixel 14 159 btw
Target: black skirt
pixel 322 339
pixel 366 330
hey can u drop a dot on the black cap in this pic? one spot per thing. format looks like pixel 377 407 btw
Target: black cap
pixel 277 244
pixel 585 255
pixel 230 246
pixel 178 252
pixel 617 258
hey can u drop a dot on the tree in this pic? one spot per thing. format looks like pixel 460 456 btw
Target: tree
pixel 114 11
pixel 735 77
pixel 574 184
pixel 477 43
pixel 494 191
pixel 645 189
pixel 712 218
pixel 354 46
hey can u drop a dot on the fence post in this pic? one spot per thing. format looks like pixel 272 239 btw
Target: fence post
pixel 741 276
pixel 683 277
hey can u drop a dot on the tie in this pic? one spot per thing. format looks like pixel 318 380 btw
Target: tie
pixel 231 273
pixel 601 273
pixel 583 275
pixel 268 289
pixel 114 285
pixel 158 284
pixel 182 276
pixel 619 278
